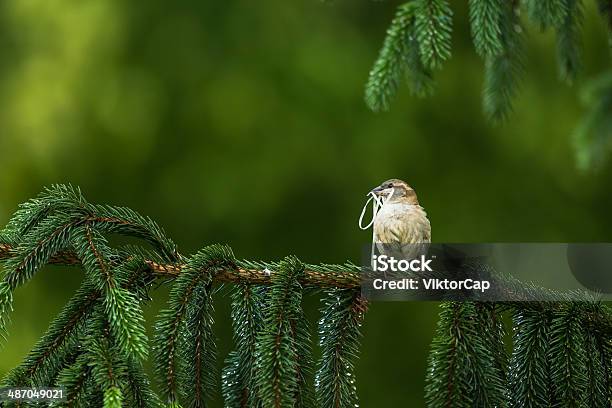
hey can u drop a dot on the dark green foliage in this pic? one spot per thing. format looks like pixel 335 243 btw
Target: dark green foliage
pixel 486 19
pixel 419 78
pixel 399 57
pixel 75 378
pixel 339 331
pixel 502 71
pixel 597 372
pixel 107 370
pixel 239 389
pixel 605 8
pixel 125 221
pixel 6 306
pixel 529 368
pixel 282 350
pixel 138 390
pixel 419 41
pixel 197 346
pixel 32 252
pixel 388 69
pixel 547 13
pixel 466 367
pixel 562 354
pixel 568 40
pixel 50 353
pixel 86 347
pixel 433 28
pixel 593 137
pixel 567 355
pixel 122 308
pixel 559 359
pixel 188 314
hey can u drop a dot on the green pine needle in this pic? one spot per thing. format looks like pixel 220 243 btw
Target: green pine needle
pixel 486 19
pixel 6 307
pixel 529 365
pixel 502 71
pixel 547 13
pixel 113 398
pixel 197 350
pixel 339 330
pixel 568 359
pixel 127 322
pixel 238 378
pixel 195 277
pixel 433 22
pixel 562 351
pixel 282 352
pixel 568 41
pixel 464 365
pixel 75 379
pixel 138 391
pixel 390 65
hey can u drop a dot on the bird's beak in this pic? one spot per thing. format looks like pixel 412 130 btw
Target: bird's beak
pixel 376 191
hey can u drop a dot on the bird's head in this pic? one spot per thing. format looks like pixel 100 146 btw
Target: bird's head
pixel 396 190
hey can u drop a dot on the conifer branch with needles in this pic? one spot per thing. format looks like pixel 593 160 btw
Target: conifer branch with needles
pixel 95 347
pixel 418 42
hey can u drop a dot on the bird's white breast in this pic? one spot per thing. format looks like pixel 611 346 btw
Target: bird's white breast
pixel 403 223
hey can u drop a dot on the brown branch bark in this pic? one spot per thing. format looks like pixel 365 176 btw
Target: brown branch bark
pixel 311 279
pixel 335 279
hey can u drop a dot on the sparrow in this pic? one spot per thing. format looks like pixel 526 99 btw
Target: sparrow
pixel 401 222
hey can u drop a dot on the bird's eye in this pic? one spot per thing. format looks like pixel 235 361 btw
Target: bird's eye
pixel 390 185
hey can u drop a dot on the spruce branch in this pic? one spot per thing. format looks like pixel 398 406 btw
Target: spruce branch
pixel 486 19
pixel 568 40
pixel 125 221
pixel 33 252
pixel 74 379
pixel 52 200
pixel 605 9
pixel 121 306
pixel 418 41
pixel 198 274
pixel 547 13
pixel 339 329
pixel 323 276
pixel 61 336
pixel 238 379
pixel 598 367
pixel 106 360
pixel 280 375
pixel 568 357
pixel 390 65
pixel 344 276
pixel 502 71
pixel 529 368
pixel 463 366
pixel 6 307
pixel 138 391
pixel 197 349
pixel 87 347
pixel 433 23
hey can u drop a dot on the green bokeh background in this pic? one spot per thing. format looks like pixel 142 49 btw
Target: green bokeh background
pixel 243 123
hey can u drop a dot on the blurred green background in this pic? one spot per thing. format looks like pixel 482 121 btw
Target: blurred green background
pixel 243 123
